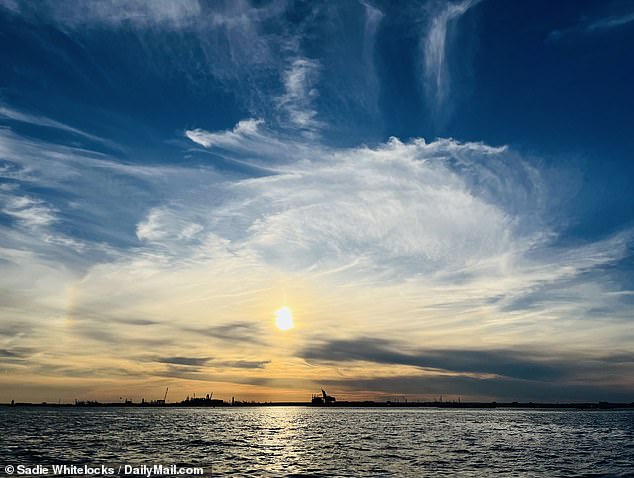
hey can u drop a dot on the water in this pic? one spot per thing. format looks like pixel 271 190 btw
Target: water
pixel 303 441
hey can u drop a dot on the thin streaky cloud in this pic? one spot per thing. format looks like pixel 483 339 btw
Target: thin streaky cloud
pixel 593 26
pixel 300 79
pixel 39 120
pixel 436 50
pixel 145 13
pixel 29 211
pixel 611 22
pixel 227 139
pixel 373 18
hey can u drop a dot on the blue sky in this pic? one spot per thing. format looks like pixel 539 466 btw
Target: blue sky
pixel 434 188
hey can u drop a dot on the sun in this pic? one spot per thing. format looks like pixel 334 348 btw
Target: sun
pixel 284 319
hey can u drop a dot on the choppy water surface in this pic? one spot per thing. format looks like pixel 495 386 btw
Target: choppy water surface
pixel 301 441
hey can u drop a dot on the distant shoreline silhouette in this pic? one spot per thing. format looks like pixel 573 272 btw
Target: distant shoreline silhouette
pixel 212 403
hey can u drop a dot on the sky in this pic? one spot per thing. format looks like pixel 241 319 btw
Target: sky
pixel 438 192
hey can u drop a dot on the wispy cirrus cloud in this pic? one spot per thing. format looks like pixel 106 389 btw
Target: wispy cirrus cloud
pixel 300 91
pixel 367 94
pixel 39 120
pixel 435 46
pixel 252 50
pixel 228 43
pixel 28 211
pixel 242 132
pixel 440 57
pixel 117 12
pixel 611 22
pixel 368 210
pixel 594 25
pixel 251 142
pixel 11 5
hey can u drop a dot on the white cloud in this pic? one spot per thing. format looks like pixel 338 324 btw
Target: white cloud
pixel 15 115
pixel 611 22
pixel 163 224
pixel 389 208
pixel 435 50
pixel 30 212
pixel 590 26
pixel 139 12
pixel 250 142
pixel 300 79
pixel 244 130
pixel 175 14
pixel 400 211
pixel 234 46
pixel 51 191
pixel 373 18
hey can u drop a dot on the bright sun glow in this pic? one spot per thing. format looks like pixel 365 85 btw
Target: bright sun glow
pixel 284 318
